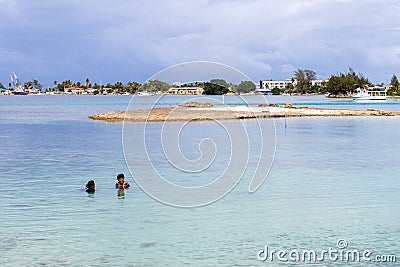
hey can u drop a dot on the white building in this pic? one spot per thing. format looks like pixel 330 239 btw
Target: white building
pixel 271 84
pixel 318 82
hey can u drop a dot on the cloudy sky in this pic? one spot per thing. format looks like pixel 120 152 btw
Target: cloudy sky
pixel 118 40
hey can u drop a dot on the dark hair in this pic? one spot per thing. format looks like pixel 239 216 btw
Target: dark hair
pixel 90 183
pixel 121 175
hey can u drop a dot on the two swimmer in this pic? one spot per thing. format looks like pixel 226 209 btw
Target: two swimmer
pixel 121 184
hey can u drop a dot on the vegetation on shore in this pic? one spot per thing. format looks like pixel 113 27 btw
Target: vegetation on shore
pixel 345 83
pixel 341 84
pixel 116 88
pixel 213 87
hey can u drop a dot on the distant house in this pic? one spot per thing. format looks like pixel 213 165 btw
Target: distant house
pixel 270 84
pixel 73 90
pixel 90 91
pixel 78 91
pixel 185 91
pixel 107 90
pixel 318 82
pixel 283 84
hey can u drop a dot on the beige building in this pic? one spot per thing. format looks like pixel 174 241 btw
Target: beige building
pixel 185 91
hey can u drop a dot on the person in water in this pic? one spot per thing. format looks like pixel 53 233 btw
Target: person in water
pixel 121 184
pixel 90 187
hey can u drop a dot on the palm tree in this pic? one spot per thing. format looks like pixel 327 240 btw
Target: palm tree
pixel 394 82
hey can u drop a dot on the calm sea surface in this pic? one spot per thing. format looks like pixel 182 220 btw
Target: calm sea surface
pixel 332 178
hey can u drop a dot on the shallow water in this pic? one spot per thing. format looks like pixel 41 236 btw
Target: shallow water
pixel 332 178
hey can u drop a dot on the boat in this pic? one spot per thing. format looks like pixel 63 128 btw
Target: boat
pixel 19 93
pixel 18 88
pixel 370 93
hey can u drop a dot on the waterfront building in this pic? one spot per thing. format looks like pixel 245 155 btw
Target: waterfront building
pixel 79 91
pixel 280 84
pixel 185 91
pixel 284 84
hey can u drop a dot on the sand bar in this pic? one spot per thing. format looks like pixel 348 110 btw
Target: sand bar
pixel 229 113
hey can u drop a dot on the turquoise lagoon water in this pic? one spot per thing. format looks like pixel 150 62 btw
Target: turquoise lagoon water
pixel 332 178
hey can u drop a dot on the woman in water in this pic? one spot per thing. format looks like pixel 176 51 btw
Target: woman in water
pixel 121 184
pixel 90 187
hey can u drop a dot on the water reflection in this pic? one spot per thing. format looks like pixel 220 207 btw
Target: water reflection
pixel 121 193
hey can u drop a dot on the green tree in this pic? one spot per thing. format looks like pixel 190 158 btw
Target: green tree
pixel 315 89
pixel 304 78
pixel 118 87
pixel 87 85
pixel 300 77
pixel 390 91
pixel 220 82
pixel 69 83
pixel 276 91
pixel 132 87
pixel 245 87
pixel 233 87
pixel 60 88
pixel 346 83
pixel 214 89
pixel 290 87
pixel 155 85
pixel 37 85
pixel 78 84
pixel 394 82
pixel 360 79
pixel 28 85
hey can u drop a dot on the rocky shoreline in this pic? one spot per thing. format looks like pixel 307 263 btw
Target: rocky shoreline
pixel 182 113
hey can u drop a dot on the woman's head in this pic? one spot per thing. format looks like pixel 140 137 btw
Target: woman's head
pixel 120 177
pixel 90 184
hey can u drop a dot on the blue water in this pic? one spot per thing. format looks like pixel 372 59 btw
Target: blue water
pixel 332 178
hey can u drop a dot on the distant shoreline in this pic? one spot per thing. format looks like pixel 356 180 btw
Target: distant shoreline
pixel 230 113
pixel 268 96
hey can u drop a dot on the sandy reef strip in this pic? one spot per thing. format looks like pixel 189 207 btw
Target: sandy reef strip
pixel 228 113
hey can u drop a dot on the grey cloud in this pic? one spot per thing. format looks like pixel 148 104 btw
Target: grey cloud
pixel 130 40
